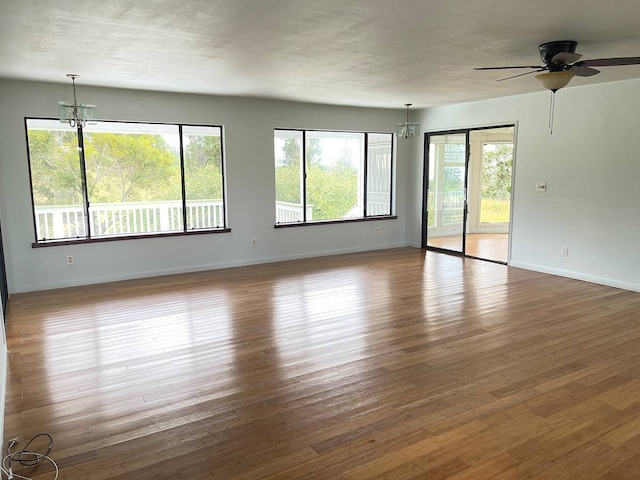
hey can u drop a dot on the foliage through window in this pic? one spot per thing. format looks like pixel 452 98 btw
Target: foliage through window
pixel 117 179
pixel 497 163
pixel 327 176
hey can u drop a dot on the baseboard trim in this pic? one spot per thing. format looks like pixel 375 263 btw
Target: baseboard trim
pixel 198 268
pixel 609 282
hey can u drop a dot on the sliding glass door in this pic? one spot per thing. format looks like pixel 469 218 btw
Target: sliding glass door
pixel 447 191
pixel 467 201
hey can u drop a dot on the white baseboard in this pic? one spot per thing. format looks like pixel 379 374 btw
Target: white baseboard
pixel 609 282
pixel 198 268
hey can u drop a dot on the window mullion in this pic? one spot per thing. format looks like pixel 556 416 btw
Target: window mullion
pixel 391 180
pixel 183 187
pixel 365 175
pixel 304 176
pixel 83 178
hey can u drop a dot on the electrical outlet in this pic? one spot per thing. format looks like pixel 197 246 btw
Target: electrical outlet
pixel 69 259
pixel 564 251
pixel 253 242
pixel 376 231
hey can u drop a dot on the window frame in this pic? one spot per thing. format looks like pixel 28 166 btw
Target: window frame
pixel 88 238
pixel 303 192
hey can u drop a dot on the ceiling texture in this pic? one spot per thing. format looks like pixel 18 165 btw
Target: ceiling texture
pixel 343 52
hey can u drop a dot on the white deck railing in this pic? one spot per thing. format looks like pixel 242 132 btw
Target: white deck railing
pixel 110 219
pixel 291 212
pixel 448 207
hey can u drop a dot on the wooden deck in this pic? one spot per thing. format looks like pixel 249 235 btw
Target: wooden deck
pixel 382 365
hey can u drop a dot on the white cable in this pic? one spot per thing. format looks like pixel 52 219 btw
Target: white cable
pixel 15 475
pixel 37 457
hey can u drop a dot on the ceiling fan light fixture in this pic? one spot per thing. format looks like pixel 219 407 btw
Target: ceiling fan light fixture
pixel 407 130
pixel 554 81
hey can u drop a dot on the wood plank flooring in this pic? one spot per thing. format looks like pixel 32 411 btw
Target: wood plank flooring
pixel 489 246
pixel 381 365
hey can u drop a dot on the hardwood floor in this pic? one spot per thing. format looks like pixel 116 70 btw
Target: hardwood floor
pixel 380 365
pixel 489 246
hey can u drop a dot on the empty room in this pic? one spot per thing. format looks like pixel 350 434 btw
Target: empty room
pixel 330 240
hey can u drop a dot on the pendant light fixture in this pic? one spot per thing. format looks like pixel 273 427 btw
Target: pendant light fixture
pixel 407 129
pixel 75 114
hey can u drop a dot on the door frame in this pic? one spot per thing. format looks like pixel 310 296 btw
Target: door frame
pixel 425 187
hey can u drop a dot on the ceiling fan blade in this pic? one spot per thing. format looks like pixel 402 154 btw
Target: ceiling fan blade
pixel 522 74
pixel 582 71
pixel 565 58
pixel 610 62
pixel 504 68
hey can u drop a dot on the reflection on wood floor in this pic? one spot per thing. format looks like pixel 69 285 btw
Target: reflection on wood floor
pixel 391 364
pixel 490 246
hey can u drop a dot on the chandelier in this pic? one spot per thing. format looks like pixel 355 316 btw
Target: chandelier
pixel 407 129
pixel 76 114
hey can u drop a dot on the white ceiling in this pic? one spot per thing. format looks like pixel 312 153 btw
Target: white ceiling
pixel 348 52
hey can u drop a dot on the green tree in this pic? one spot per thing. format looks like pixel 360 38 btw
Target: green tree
pixel 121 167
pixel 55 168
pixel 496 182
pixel 291 151
pixel 332 191
pixel 130 167
pixel 203 167
pixel 314 151
pixel 496 171
pixel 288 184
pixel 288 173
pixel 203 150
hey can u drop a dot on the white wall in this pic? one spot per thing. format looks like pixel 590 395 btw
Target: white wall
pixel 591 164
pixel 248 124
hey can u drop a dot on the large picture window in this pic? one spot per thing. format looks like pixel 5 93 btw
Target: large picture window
pixel 118 179
pixel 332 176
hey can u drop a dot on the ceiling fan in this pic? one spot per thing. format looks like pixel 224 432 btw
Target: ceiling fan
pixel 562 63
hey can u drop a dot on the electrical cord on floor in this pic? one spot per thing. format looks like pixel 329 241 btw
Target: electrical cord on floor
pixel 26 457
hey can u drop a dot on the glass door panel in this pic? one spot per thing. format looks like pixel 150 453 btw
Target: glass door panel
pixel 489 193
pixel 446 191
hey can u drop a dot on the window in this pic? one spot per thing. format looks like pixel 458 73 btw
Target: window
pixel 117 179
pixel 332 176
pixel 495 200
